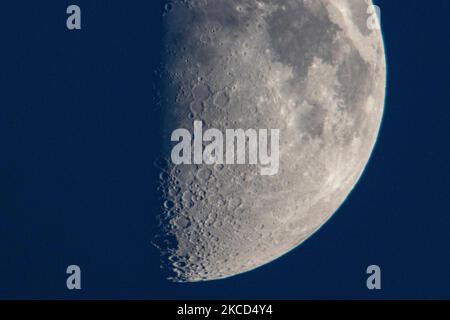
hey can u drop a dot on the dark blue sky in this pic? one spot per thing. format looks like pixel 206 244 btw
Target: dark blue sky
pixel 78 136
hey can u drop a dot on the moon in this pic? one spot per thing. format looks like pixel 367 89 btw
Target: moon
pixel 315 70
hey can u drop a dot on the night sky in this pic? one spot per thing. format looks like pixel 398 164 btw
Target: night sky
pixel 79 134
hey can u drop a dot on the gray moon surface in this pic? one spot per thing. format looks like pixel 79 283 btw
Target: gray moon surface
pixel 311 68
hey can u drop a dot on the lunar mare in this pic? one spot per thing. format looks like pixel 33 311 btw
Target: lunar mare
pixel 310 68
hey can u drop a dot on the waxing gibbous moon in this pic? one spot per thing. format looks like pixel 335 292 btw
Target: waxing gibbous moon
pixel 313 69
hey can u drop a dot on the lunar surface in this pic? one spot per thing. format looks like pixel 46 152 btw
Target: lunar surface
pixel 312 69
